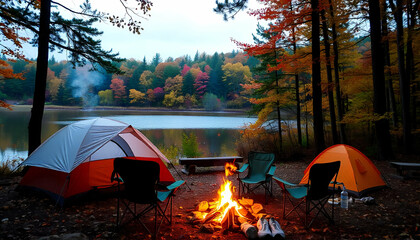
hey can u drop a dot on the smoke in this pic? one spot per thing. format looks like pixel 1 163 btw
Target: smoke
pixel 84 84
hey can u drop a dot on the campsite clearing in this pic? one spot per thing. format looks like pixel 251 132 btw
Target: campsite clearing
pixel 396 214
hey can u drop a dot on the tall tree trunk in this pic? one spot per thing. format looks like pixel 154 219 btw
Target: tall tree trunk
pixel 298 116
pixel 37 112
pixel 383 138
pixel 410 73
pixel 278 103
pixel 329 78
pixel 316 80
pixel 391 95
pixel 404 81
pixel 340 111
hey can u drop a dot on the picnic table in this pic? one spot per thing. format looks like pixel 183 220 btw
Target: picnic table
pixel 406 169
pixel 190 164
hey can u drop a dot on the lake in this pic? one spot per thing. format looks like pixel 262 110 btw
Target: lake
pixel 216 132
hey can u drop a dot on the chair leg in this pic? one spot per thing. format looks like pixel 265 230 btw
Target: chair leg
pixel 284 204
pixel 156 229
pixel 118 213
pixel 308 204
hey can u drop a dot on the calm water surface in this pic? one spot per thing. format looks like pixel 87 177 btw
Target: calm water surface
pixel 216 132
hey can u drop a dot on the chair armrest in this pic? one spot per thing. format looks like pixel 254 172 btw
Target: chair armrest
pixel 115 177
pixel 175 185
pixel 243 168
pixel 284 181
pixel 271 171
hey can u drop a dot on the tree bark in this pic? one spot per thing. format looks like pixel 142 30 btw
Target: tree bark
pixel 404 81
pixel 410 73
pixel 278 103
pixel 340 111
pixel 329 78
pixel 37 112
pixel 316 80
pixel 383 138
pixel 390 95
pixel 297 95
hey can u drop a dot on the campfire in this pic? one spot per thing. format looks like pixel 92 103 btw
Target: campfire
pixel 226 212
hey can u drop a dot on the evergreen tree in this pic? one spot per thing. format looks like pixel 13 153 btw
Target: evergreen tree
pixel 155 61
pixel 196 57
pixel 216 75
pixel 188 84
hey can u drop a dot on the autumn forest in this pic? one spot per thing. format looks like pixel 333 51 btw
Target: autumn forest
pixel 344 71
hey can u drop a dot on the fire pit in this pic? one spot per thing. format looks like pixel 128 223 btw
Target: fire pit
pixel 226 213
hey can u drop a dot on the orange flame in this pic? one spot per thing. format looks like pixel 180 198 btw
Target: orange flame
pixel 225 198
pixel 230 169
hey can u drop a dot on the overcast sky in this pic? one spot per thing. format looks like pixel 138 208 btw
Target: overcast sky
pixel 175 28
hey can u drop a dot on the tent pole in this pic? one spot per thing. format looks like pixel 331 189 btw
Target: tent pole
pixel 62 189
pixel 179 174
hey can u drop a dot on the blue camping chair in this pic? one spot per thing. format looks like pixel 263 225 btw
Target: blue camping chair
pixel 138 183
pixel 260 171
pixel 314 194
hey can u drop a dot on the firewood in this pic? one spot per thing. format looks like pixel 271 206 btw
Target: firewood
pixel 246 201
pixel 198 214
pixel 228 221
pixel 214 213
pixel 256 208
pixel 248 214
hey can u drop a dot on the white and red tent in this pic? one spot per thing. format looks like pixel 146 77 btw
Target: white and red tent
pixel 79 157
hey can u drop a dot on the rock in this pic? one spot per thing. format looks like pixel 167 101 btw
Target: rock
pixel 203 206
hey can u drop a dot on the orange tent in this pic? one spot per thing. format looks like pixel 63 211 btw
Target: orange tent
pixel 357 171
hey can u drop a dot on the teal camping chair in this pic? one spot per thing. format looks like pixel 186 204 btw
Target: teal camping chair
pixel 260 171
pixel 315 194
pixel 138 184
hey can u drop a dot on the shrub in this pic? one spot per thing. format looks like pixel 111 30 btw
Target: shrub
pixel 172 153
pixel 211 102
pixel 190 145
pixel 7 168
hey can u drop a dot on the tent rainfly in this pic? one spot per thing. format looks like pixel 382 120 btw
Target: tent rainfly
pixel 79 157
pixel 357 172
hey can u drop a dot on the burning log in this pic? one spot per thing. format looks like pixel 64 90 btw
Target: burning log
pixel 215 213
pixel 228 222
pixel 246 213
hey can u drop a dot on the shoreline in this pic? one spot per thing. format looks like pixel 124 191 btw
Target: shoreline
pixel 116 108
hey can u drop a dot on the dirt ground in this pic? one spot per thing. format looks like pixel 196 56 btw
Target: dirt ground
pixel 396 214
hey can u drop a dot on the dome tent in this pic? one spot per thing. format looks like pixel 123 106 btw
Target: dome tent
pixel 357 172
pixel 79 157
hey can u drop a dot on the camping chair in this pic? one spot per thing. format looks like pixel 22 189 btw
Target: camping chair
pixel 259 173
pixel 138 183
pixel 315 194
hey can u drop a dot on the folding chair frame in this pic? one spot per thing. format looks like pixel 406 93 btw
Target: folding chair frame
pixel 318 205
pixel 152 200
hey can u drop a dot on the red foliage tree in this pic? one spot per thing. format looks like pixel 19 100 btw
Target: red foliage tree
pixel 118 88
pixel 200 84
pixel 185 70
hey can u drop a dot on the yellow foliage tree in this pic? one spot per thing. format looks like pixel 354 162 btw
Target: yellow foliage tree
pixel 171 100
pixel 136 96
pixel 146 79
pixel 106 97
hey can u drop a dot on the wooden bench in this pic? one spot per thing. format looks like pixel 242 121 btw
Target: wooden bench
pixel 406 169
pixel 192 163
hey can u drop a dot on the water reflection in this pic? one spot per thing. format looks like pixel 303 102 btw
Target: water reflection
pixel 216 132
